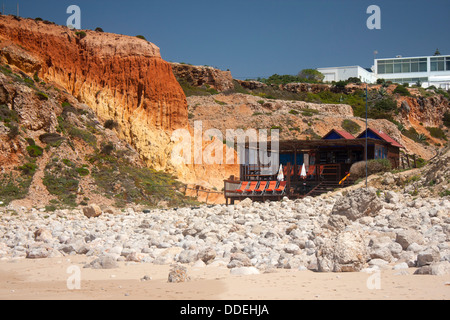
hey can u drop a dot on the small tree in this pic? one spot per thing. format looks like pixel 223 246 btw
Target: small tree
pixel 419 83
pixel 311 75
pixel 81 34
pixel 354 80
pixel 110 124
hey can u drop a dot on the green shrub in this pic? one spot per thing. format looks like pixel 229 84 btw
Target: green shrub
pixel 35 151
pixel 137 185
pixel 351 126
pixel 382 109
pixel 14 187
pixel 7 115
pixel 446 119
pixel 99 29
pixel 340 86
pixel 354 80
pixel 294 112
pixel 13 132
pixel 68 163
pixel 282 79
pixel 30 141
pixel 6 69
pixel 385 105
pixel 279 128
pixel 238 88
pixel 61 179
pixel 52 139
pixel 220 102
pixel 64 187
pixel 141 37
pixel 84 135
pixel 420 162
pixel 415 136
pixel 110 124
pixel 28 169
pixel 83 172
pixel 437 133
pixel 311 75
pixel 191 90
pixel 309 112
pixel 401 90
pixel 445 193
pixel 42 96
pixel 107 149
pixel 81 34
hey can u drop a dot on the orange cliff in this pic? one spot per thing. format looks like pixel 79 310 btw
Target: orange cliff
pixel 120 77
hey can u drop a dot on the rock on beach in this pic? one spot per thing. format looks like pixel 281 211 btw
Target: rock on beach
pixel 332 233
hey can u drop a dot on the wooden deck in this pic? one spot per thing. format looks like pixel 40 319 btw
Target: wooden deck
pixel 325 178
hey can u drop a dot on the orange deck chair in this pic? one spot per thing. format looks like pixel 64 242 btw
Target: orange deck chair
pixel 252 187
pixel 241 189
pixel 271 187
pixel 262 187
pixel 310 173
pixel 285 171
pixel 281 188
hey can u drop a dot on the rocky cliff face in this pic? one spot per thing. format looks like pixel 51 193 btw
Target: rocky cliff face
pixel 198 76
pixel 120 77
pixel 426 110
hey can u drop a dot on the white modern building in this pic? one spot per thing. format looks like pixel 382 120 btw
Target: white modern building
pixel 428 70
pixel 344 73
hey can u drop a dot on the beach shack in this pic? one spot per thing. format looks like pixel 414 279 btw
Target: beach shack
pixel 309 167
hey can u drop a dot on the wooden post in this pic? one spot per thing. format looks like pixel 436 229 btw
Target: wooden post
pixel 288 178
pixel 415 162
pixel 407 159
pixel 295 165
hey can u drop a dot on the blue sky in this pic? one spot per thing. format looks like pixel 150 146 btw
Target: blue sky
pixel 258 38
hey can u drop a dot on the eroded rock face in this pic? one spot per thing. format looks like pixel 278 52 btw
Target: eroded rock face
pixel 202 75
pixel 122 78
pixel 426 110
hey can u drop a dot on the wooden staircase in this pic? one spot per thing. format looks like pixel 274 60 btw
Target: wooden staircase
pixel 329 186
pixel 324 187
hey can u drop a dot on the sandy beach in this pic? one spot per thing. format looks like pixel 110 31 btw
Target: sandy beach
pixel 47 280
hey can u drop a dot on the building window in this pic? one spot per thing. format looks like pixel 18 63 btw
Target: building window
pixel 440 64
pixel 402 66
pixel 406 67
pixel 409 80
